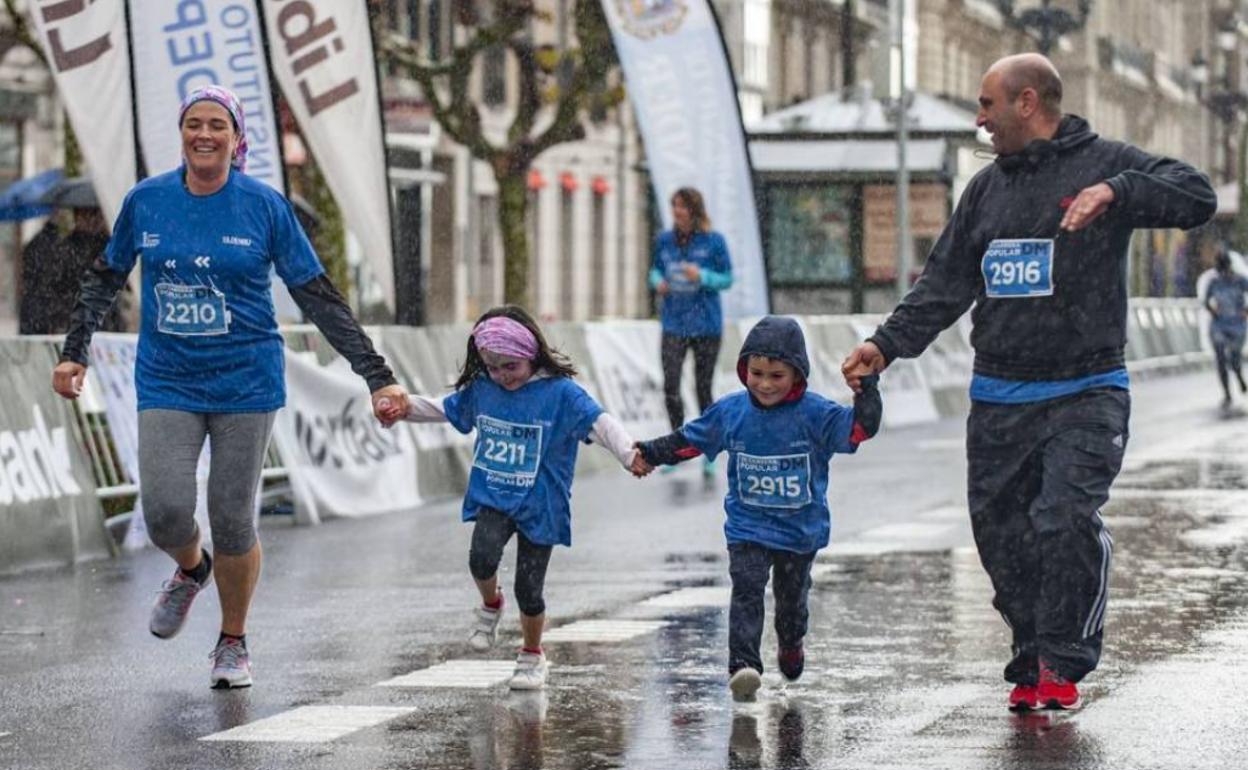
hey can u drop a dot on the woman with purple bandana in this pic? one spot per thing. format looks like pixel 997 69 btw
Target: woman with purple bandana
pixel 210 361
pixel 530 417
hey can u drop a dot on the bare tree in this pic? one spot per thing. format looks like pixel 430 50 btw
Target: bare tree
pixel 558 89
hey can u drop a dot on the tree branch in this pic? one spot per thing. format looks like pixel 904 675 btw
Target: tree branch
pixel 21 31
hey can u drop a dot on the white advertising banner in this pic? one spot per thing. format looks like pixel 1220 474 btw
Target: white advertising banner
pixel 181 46
pixel 112 374
pixel 89 56
pixel 681 87
pixel 339 458
pixel 624 357
pixel 904 388
pixel 322 57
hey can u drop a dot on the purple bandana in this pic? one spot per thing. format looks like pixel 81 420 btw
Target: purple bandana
pixel 226 98
pixel 505 337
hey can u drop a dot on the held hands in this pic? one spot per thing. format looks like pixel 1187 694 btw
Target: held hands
pixel 640 468
pixel 864 360
pixel 1088 205
pixel 389 405
pixel 67 379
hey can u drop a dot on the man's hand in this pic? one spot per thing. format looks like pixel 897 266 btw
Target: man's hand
pixel 662 288
pixel 67 379
pixel 389 404
pixel 864 360
pixel 693 273
pixel 1088 205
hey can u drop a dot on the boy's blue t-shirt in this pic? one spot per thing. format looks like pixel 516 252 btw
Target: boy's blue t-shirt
pixel 690 309
pixel 777 466
pixel 208 341
pixel 525 450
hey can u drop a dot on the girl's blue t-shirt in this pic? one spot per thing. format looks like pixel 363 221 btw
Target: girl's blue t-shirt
pixel 525 450
pixel 690 309
pixel 777 466
pixel 208 340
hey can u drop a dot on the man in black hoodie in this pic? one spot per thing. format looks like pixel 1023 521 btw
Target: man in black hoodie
pixel 1039 244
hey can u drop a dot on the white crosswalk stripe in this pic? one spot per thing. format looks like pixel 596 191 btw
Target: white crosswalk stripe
pixel 601 631
pixel 311 724
pixel 698 596
pixel 461 674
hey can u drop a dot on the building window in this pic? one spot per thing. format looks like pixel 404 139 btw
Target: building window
pixel 487 222
pixel 494 76
pixel 809 234
pixel 598 250
pixel 535 251
pixel 435 44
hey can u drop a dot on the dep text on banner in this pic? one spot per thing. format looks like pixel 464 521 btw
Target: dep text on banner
pixel 681 87
pixel 181 46
pixel 89 56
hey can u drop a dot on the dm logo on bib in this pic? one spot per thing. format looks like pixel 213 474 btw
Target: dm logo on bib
pixel 650 18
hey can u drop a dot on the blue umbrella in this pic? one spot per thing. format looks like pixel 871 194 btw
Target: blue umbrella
pixel 24 198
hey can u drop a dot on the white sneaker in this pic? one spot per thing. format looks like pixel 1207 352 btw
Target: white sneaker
pixel 744 684
pixel 485 632
pixel 530 674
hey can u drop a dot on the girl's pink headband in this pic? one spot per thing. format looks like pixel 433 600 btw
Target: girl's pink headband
pixel 506 337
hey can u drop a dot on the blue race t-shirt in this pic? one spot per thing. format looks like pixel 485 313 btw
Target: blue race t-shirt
pixel 1226 292
pixel 777 466
pixel 690 309
pixel 525 451
pixel 208 341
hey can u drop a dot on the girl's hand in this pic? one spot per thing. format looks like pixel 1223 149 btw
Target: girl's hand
pixel 389 404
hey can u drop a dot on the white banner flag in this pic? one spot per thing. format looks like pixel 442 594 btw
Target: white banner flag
pixel 180 46
pixel 338 456
pixel 322 57
pixel 89 55
pixel 681 88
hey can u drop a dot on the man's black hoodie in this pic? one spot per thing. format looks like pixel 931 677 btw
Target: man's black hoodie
pixel 1080 329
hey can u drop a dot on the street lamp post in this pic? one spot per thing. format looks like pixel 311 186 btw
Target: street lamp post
pixel 1046 24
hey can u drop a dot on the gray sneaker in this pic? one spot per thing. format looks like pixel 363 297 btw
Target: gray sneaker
pixel 173 604
pixel 231 665
pixel 485 627
pixel 744 683
pixel 530 673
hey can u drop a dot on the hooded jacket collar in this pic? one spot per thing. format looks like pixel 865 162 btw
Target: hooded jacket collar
pixel 1072 132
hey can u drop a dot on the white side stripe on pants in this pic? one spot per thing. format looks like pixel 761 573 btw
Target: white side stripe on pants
pixel 1096 617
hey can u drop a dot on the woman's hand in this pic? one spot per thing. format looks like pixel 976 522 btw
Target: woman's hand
pixel 389 404
pixel 693 272
pixel 67 379
pixel 662 288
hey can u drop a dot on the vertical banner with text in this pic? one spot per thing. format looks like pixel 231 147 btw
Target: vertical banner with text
pixel 89 56
pixel 322 57
pixel 180 46
pixel 681 87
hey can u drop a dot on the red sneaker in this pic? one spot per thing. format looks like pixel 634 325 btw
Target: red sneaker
pixel 1024 698
pixel 1056 691
pixel 792 662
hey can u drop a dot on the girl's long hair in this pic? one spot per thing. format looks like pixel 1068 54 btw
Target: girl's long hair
pixel 555 364
pixel 692 200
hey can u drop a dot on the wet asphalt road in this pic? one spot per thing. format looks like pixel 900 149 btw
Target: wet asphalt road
pixel 904 653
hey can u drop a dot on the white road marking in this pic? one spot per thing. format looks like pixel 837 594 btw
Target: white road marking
pixel 457 674
pixel 698 596
pixel 311 724
pixel 601 631
pixel 947 513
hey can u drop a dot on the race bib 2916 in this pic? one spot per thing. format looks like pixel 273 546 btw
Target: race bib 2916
pixel 1016 268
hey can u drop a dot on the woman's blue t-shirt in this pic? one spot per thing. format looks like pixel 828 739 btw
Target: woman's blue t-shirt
pixel 208 340
pixel 690 309
pixel 777 466
pixel 525 450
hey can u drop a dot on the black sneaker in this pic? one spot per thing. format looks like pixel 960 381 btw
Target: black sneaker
pixel 792 662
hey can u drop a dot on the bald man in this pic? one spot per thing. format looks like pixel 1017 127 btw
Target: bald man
pixel 1038 244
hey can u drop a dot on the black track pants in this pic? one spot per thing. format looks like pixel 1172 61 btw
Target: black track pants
pixel 1038 476
pixel 705 352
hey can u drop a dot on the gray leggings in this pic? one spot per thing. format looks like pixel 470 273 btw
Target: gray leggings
pixel 169 446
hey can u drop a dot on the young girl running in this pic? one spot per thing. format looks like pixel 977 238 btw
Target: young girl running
pixel 530 417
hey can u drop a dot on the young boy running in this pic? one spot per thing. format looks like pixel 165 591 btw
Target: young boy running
pixel 780 439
